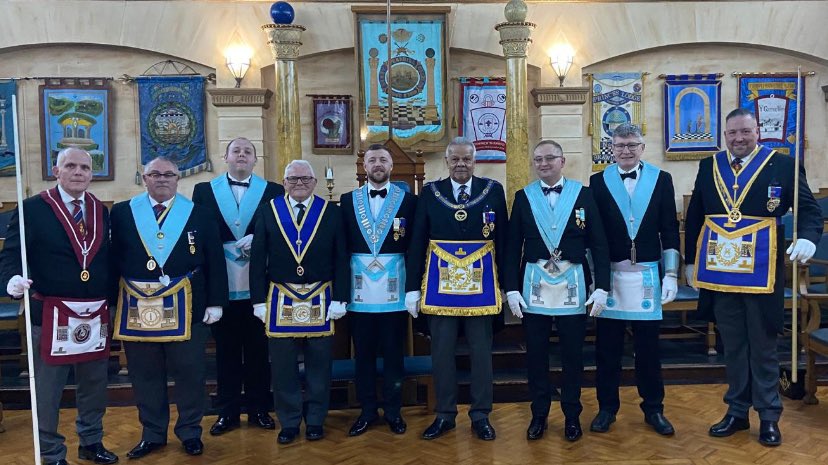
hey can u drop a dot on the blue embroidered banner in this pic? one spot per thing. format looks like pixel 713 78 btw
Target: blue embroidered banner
pixel 692 116
pixel 775 102
pixel 616 99
pixel 7 148
pixel 172 121
pixel 483 117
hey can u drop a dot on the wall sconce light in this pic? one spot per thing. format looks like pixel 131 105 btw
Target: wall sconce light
pixel 561 58
pixel 237 58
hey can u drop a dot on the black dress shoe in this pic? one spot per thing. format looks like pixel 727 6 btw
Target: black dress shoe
pixel 59 462
pixel 660 424
pixel 483 429
pixel 143 448
pixel 601 423
pixel 287 435
pixel 314 432
pixel 97 453
pixel 572 430
pixel 396 425
pixel 193 446
pixel 769 434
pixel 439 427
pixel 360 426
pixel 223 425
pixel 536 428
pixel 729 426
pixel 260 420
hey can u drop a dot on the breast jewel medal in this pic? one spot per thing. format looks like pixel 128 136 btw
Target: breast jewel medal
pixel 488 222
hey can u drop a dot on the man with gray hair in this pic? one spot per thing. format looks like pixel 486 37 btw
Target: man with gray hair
pixel 67 238
pixel 639 217
pixel 456 246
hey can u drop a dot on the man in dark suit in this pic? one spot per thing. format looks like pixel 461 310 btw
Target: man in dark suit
pixel 241 344
pixel 299 284
pixel 457 243
pixel 173 283
pixel 378 220
pixel 554 221
pixel 62 225
pixel 639 217
pixel 734 215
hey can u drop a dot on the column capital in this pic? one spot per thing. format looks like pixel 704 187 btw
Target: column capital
pixel 244 97
pixel 284 40
pixel 515 38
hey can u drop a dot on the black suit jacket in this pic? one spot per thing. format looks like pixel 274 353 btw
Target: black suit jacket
pixel 53 267
pixel 203 195
pixel 525 243
pixel 659 228
pixel 209 280
pixel 436 221
pixel 705 201
pixel 357 244
pixel 271 258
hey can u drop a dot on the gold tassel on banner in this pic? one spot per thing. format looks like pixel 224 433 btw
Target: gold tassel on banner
pixel 589 129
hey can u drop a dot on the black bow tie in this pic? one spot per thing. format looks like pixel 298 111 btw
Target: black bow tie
pixel 556 189
pixel 632 175
pixel 239 183
pixel 381 192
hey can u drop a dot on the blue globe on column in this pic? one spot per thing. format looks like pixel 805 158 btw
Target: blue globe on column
pixel 281 13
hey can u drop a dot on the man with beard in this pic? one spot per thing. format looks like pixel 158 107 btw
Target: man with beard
pixel 378 217
pixel 457 243
pixel 241 344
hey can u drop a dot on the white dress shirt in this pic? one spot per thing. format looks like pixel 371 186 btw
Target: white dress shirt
pixel 746 159
pixel 376 202
pixel 455 187
pixel 67 201
pixel 629 183
pixel 294 203
pixel 552 197
pixel 166 203
pixel 238 191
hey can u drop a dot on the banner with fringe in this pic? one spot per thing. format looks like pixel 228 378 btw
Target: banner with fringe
pixel 7 149
pixel 616 99
pixel 776 104
pixel 692 116
pixel 483 117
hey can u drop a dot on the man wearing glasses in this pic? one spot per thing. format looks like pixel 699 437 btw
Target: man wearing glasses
pixel 173 283
pixel 241 344
pixel 299 284
pixel 639 216
pixel 457 242
pixel 554 221
pixel 733 247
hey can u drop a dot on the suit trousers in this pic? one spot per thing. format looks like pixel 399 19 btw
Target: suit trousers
pixel 241 361
pixel 387 332
pixel 287 385
pixel 478 331
pixel 751 360
pixel 91 378
pixel 609 347
pixel 150 364
pixel 571 332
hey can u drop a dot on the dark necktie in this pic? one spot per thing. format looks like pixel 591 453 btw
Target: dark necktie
pixel 632 175
pixel 301 213
pixel 736 164
pixel 381 192
pixel 77 215
pixel 463 196
pixel 556 189
pixel 159 209
pixel 239 183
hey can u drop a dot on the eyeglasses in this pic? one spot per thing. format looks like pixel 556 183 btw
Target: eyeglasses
pixel 547 159
pixel 631 146
pixel 295 179
pixel 157 175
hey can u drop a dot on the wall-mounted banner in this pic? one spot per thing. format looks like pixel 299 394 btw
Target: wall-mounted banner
pixel 616 99
pixel 332 124
pixel 172 121
pixel 776 105
pixel 415 77
pixel 8 88
pixel 483 117
pixel 692 116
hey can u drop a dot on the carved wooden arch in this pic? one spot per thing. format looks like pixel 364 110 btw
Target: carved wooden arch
pixel 408 169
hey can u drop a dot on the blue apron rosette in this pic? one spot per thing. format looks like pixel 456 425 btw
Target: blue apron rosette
pixel 460 279
pixel 560 294
pixel 149 311
pixel 378 283
pixel 635 292
pixel 298 310
pixel 738 257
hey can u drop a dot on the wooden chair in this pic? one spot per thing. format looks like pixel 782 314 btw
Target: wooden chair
pixel 406 168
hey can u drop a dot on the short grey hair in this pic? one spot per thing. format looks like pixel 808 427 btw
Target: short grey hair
pixel 628 130
pixel 299 163
pixel 549 142
pixel 161 158
pixel 461 142
pixel 63 153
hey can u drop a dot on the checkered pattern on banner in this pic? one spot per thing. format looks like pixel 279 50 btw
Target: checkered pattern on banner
pixel 404 115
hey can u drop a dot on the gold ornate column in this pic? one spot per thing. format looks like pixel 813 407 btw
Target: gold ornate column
pixel 515 38
pixel 284 41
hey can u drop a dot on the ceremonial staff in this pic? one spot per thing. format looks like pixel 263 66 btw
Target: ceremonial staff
pixel 26 305
pixel 795 284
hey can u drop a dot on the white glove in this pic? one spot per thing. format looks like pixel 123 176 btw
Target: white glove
pixel 689 272
pixel 598 299
pixel 669 289
pixel 212 314
pixel 336 310
pixel 412 303
pixel 802 250
pixel 516 303
pixel 17 286
pixel 245 242
pixel 260 311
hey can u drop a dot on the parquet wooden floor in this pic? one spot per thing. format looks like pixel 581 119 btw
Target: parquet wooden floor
pixel 691 408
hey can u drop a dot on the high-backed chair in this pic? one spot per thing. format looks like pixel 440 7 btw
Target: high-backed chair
pixel 814 337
